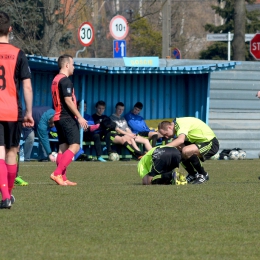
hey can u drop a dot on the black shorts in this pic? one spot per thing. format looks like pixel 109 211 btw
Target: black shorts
pixel 10 134
pixel 207 149
pixel 164 159
pixel 68 131
pixel 144 133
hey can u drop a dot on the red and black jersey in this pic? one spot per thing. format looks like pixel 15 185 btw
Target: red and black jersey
pixel 13 69
pixel 62 87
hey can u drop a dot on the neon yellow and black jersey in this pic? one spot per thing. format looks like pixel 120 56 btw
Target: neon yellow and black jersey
pixel 145 164
pixel 196 131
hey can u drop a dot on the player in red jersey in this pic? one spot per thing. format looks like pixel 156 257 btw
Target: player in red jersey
pixel 66 119
pixel 14 69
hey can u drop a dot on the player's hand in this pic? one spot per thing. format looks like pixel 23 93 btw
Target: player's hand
pixel 132 135
pixel 83 123
pixel 28 121
pixel 258 94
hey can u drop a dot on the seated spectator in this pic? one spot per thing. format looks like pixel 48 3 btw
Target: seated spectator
pixel 138 125
pixel 108 131
pixel 124 129
pixel 90 135
pixel 43 121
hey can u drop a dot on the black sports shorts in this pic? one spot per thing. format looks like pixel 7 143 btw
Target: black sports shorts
pixel 207 149
pixel 68 131
pixel 10 134
pixel 164 159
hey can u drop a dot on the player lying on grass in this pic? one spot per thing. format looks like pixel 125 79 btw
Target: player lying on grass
pixel 159 166
pixel 196 141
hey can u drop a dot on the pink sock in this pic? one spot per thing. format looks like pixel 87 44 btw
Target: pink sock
pixel 64 177
pixel 11 175
pixel 63 163
pixel 3 180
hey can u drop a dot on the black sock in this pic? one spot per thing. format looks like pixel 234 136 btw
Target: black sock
pixel 186 164
pixel 196 163
pixel 132 150
pixel 153 140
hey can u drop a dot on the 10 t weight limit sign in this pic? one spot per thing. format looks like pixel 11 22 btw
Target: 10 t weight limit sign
pixel 86 34
pixel 118 27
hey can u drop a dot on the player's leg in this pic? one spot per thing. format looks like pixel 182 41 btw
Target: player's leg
pixel 144 141
pixel 68 134
pixel 126 141
pixel 12 135
pixel 28 145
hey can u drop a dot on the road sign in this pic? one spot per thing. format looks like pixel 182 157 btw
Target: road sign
pixel 255 46
pixel 86 34
pixel 119 48
pixel 176 53
pixel 118 27
pixel 223 37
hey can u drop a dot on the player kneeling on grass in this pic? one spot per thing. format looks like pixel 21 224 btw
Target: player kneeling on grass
pixel 159 166
pixel 196 141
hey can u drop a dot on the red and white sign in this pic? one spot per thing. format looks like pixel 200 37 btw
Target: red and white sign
pixel 255 46
pixel 118 27
pixel 86 34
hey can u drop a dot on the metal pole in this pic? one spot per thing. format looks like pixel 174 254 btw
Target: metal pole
pixel 80 51
pixel 229 46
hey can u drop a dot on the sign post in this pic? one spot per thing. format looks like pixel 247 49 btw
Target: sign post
pixel 226 37
pixel 255 46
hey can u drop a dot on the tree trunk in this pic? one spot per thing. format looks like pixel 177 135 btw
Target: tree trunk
pixel 238 43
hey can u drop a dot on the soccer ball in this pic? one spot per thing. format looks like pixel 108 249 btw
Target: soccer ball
pixel 54 154
pixel 242 155
pixel 113 157
pixel 215 157
pixel 233 155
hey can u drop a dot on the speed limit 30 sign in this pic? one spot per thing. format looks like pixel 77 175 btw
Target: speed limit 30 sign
pixel 86 34
pixel 118 27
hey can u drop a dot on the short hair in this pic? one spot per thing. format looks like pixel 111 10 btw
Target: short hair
pixel 139 105
pixel 163 125
pixel 121 104
pixel 5 23
pixel 100 103
pixel 79 103
pixel 63 59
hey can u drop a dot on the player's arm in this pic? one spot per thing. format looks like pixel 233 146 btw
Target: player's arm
pixel 83 122
pixel 179 141
pixel 28 99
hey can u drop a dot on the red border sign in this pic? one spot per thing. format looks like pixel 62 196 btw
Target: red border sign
pixel 255 46
pixel 86 34
pixel 118 27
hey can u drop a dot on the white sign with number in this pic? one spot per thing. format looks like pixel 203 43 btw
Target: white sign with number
pixel 86 34
pixel 119 27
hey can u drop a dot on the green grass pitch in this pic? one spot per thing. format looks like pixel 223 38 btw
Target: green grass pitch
pixel 110 215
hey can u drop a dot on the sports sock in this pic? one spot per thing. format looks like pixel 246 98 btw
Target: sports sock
pixel 58 159
pixel 196 163
pixel 11 175
pixel 65 160
pixel 186 164
pixel 3 180
pixel 132 149
pixel 153 140
pixel 164 178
